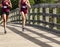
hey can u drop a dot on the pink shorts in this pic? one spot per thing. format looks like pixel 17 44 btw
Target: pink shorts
pixel 24 10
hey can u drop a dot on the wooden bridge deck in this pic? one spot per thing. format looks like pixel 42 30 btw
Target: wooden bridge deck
pixel 31 37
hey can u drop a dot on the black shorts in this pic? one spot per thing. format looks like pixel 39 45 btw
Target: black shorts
pixel 7 13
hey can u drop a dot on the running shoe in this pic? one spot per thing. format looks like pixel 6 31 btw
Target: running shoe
pixel 5 31
pixel 22 29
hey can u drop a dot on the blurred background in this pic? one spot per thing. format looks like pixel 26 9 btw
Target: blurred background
pixel 32 2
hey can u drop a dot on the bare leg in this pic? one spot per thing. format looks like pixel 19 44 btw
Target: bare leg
pixel 23 19
pixel 6 18
pixel 4 22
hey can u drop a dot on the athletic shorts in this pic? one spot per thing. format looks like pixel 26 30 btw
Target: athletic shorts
pixel 24 10
pixel 7 13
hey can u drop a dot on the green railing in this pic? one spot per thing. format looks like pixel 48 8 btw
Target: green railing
pixel 44 15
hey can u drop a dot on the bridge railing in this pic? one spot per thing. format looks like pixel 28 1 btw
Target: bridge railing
pixel 45 15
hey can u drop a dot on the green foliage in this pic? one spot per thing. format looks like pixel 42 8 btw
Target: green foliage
pixel 32 2
pixel 14 3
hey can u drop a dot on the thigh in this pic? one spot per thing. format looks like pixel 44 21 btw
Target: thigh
pixel 4 16
pixel 22 13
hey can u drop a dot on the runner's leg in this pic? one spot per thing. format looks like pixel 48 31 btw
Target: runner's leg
pixel 4 22
pixel 23 20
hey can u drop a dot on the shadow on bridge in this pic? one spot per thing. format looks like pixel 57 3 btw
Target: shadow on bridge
pixel 33 39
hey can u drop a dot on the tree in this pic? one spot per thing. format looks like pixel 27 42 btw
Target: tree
pixel 37 1
pixel 32 2
pixel 14 3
